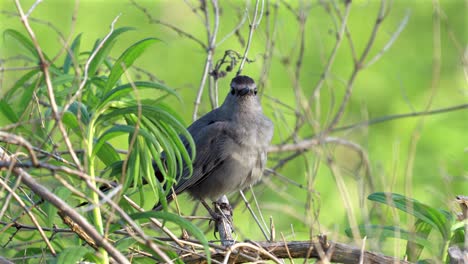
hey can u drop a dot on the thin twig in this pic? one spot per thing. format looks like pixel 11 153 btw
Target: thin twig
pixel 88 63
pixel 209 57
pixel 394 37
pixel 45 69
pixel 71 212
pixel 253 25
pixel 172 27
pixel 357 67
pixel 331 59
pixel 247 204
pixel 33 7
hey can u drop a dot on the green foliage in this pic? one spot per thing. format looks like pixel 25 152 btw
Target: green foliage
pixel 427 219
pixel 169 217
pixel 107 108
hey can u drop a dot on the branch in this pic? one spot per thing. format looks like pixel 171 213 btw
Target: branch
pixel 311 141
pixel 334 252
pixel 50 89
pixel 210 49
pixel 252 26
pixel 63 207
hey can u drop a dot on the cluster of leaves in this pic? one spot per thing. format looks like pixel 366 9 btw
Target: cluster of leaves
pixel 449 232
pixel 107 106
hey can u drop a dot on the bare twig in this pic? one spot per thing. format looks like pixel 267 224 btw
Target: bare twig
pixel 28 211
pixel 33 7
pixel 170 26
pixel 45 69
pixel 253 25
pixel 394 37
pixel 88 63
pixel 47 195
pixel 17 140
pixel 247 204
pixel 331 59
pixel 358 66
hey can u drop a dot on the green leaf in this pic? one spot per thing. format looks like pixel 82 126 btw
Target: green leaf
pixel 8 112
pixel 71 122
pixel 72 54
pixel 23 40
pixel 125 89
pixel 20 84
pixel 113 132
pixel 126 60
pixel 80 110
pixel 125 243
pixel 383 232
pixel 50 209
pixel 104 50
pixel 425 213
pixel 178 220
pixel 72 254
pixel 414 250
pixel 108 154
pixel 60 91
pixel 458 235
pixel 26 98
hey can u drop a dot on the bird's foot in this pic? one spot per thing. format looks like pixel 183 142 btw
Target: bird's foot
pixel 223 220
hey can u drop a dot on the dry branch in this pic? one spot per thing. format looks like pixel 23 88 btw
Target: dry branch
pixel 336 252
pixel 66 209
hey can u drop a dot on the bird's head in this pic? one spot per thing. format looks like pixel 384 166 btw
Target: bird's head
pixel 242 98
pixel 243 86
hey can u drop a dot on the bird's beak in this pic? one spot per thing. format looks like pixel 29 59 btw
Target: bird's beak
pixel 243 91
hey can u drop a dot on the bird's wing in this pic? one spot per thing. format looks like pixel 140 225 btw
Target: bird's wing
pixel 210 141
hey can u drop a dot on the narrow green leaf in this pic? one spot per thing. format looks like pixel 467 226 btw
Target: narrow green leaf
pixel 125 243
pixel 183 156
pixel 26 98
pixel 125 89
pixel 146 166
pixel 50 209
pixel 23 40
pixel 133 167
pixel 72 254
pixel 113 132
pixel 61 91
pixel 414 250
pixel 72 54
pixel 383 232
pixel 421 211
pixel 20 84
pixel 126 60
pixel 8 112
pixel 191 228
pixel 165 144
pixel 71 122
pixel 80 110
pixel 104 50
pixel 108 154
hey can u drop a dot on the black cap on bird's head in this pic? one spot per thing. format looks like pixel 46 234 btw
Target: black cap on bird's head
pixel 243 85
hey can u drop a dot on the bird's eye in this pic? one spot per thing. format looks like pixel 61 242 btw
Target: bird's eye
pixel 255 91
pixel 232 91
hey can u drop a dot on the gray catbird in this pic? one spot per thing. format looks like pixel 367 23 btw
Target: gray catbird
pixel 231 145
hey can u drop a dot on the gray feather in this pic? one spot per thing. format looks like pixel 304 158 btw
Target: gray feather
pixel 231 145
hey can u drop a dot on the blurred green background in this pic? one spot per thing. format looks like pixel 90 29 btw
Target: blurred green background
pixel 401 81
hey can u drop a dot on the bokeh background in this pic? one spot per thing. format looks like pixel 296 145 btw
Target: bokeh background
pixel 422 157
